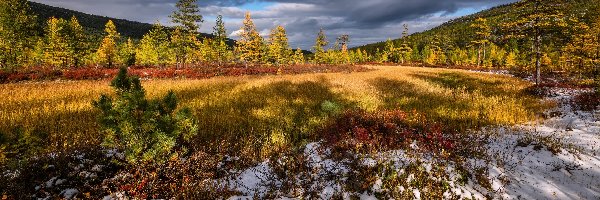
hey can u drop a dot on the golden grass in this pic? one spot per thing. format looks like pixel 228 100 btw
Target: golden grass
pixel 264 112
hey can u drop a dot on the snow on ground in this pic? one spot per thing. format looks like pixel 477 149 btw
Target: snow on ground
pixel 557 158
pixel 533 171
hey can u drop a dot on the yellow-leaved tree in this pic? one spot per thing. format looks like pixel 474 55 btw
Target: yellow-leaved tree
pixel 279 49
pixel 107 52
pixel 250 45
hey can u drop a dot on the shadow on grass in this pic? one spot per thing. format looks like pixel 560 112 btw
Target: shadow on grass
pixel 257 121
pixel 459 109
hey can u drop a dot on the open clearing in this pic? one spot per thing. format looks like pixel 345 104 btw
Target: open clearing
pixel 263 137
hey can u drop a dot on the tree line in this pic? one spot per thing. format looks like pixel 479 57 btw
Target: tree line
pixel 536 36
pixel 65 43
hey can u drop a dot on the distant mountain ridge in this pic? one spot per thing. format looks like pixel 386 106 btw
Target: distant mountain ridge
pixel 459 32
pixel 94 23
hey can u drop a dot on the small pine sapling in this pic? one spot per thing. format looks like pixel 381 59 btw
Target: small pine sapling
pixel 147 130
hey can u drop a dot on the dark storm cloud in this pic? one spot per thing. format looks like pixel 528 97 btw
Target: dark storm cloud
pixel 365 20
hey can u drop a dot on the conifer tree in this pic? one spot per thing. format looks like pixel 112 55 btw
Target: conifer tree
pixel 219 44
pixel 187 16
pixel 78 42
pixel 279 49
pixel 57 50
pixel 188 19
pixel 481 38
pixel 538 20
pixel 319 48
pixel 405 49
pixel 250 45
pixel 107 52
pixel 17 26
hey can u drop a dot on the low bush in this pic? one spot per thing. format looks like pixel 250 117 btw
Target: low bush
pixel 384 130
pixel 147 130
pixel 588 101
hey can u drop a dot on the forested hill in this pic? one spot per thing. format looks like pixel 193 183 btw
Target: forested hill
pixel 459 33
pixel 94 24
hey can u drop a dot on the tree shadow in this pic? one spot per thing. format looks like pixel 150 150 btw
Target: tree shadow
pixel 456 108
pixel 258 120
pixel 462 81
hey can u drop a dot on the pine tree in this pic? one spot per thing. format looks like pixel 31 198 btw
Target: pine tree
pixel 250 45
pixel 107 52
pixel 17 27
pixel 538 20
pixel 57 49
pixel 481 38
pixel 319 48
pixel 188 19
pixel 279 49
pixel 187 16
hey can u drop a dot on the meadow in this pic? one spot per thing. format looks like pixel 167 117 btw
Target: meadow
pixel 255 116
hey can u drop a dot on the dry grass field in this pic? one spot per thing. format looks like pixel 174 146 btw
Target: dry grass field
pixel 260 114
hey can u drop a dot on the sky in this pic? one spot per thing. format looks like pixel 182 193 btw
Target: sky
pixel 365 21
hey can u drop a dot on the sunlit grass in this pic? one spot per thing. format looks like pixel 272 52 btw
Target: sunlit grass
pixel 259 114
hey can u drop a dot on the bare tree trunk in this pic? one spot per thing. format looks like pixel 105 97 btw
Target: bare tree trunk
pixel 538 55
pixel 483 58
pixel 479 56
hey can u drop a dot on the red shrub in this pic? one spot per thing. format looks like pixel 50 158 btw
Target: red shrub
pixel 586 101
pixel 363 131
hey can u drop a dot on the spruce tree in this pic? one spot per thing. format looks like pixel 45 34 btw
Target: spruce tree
pixel 187 19
pixel 219 44
pixel 78 42
pixel 405 49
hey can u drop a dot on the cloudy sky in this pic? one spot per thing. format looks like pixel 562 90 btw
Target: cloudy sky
pixel 366 21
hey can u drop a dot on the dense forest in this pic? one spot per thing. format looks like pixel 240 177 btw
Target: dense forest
pixel 553 36
pixel 558 36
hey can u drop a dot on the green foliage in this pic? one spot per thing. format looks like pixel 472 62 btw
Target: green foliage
pixel 187 16
pixel 17 26
pixel 127 53
pixel 319 48
pixel 57 49
pixel 147 130
pixel 154 48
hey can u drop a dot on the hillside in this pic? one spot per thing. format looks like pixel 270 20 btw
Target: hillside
pixel 94 23
pixel 458 33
